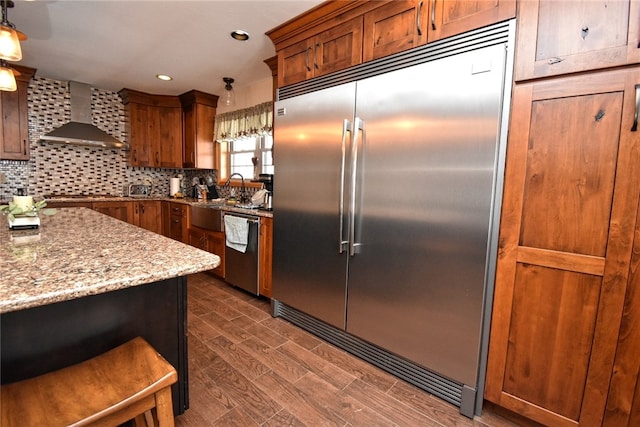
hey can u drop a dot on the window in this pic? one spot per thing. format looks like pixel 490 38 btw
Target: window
pixel 247 155
pixel 246 141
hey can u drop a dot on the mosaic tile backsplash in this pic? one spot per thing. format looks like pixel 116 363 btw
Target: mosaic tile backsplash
pixel 61 169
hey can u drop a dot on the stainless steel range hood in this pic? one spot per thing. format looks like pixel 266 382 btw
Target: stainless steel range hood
pixel 80 130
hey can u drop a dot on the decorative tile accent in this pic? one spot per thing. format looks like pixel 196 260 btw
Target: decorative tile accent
pixel 63 169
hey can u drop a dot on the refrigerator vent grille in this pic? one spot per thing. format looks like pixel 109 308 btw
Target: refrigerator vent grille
pixel 472 40
pixel 414 374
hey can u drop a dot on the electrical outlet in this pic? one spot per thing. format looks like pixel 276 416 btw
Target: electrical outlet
pixel 3 178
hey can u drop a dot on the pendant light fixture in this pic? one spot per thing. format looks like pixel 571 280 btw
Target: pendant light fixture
pixel 9 37
pixel 229 98
pixel 7 77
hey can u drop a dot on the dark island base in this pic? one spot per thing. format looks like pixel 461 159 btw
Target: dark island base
pixel 42 339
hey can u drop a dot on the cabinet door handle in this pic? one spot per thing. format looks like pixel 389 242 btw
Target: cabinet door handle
pixel 306 60
pixel 136 209
pixel 315 59
pixel 135 155
pixel 418 25
pixel 157 158
pixel 433 15
pixel 142 208
pixel 24 146
pixel 358 125
pixel 342 241
pixel 634 128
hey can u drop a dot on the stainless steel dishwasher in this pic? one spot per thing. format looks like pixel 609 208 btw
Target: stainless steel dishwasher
pixel 241 268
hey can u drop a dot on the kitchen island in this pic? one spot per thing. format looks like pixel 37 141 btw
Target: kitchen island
pixel 84 283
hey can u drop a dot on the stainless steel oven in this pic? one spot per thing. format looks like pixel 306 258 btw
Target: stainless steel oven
pixel 241 268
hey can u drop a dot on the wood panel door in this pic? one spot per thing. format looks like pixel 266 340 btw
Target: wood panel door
pixel 216 242
pixel 338 48
pixel 139 116
pixel 295 62
pixel 394 27
pixel 451 17
pixel 266 257
pixel 560 37
pixel 570 202
pixel 623 403
pixel 14 138
pixel 169 137
pixel 210 241
pixel 149 215
pixel 335 49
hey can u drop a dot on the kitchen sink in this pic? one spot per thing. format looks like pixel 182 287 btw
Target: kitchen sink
pixel 207 216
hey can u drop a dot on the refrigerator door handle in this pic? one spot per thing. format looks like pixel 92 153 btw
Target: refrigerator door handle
pixel 346 128
pixel 358 126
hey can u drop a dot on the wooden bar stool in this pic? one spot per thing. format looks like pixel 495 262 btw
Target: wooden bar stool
pixel 130 382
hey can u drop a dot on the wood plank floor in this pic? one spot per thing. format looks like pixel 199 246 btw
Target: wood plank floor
pixel 247 368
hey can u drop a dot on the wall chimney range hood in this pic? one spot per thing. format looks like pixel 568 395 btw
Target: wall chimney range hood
pixel 80 130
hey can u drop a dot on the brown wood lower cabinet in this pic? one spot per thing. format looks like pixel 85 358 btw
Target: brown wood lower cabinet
pixel 143 213
pixel 564 346
pixel 175 221
pixel 266 256
pixel 119 210
pixel 210 241
pixel 148 215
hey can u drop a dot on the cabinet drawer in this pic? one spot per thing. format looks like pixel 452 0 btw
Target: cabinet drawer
pixel 178 209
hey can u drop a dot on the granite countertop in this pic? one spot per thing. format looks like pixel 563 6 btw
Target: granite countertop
pixel 187 201
pixel 79 252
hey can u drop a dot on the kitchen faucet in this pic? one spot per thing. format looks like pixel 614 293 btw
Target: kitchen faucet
pixel 242 189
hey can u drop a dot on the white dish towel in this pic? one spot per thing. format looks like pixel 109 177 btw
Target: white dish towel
pixel 236 231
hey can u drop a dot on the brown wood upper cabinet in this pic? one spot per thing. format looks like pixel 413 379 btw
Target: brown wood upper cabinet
pixel 570 36
pixel 334 49
pixel 154 128
pixel 450 17
pixel 394 27
pixel 198 119
pixel 14 138
pixel 313 44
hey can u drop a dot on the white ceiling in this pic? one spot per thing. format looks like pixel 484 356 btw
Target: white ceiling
pixel 112 44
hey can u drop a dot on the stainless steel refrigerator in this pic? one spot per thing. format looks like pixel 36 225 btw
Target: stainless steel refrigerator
pixel 384 211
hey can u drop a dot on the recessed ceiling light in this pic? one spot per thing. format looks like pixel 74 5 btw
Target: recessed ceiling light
pixel 164 77
pixel 240 35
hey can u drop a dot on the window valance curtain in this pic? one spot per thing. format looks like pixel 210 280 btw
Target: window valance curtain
pixel 246 122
